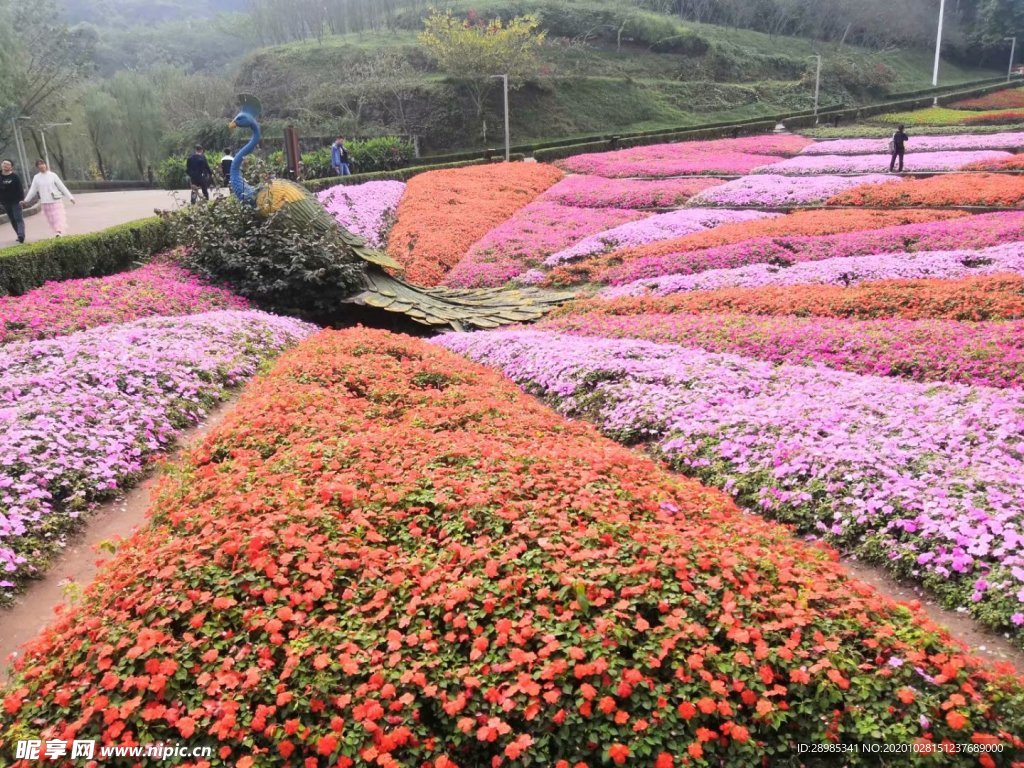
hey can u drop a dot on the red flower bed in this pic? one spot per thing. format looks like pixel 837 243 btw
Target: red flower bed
pixel 797 223
pixel 995 118
pixel 442 213
pixel 997 297
pixel 389 556
pixel 984 189
pixel 1015 163
pixel 1011 98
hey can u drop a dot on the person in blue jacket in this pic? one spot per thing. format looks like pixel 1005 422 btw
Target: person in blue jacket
pixel 341 161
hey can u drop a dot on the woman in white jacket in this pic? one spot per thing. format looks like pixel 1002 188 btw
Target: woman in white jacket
pixel 51 192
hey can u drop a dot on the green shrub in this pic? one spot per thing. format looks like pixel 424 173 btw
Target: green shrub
pixel 25 267
pixel 171 173
pixel 268 260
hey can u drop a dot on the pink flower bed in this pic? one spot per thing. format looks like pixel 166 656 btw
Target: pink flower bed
pixel 722 156
pixel 661 227
pixel 946 265
pixel 980 231
pixel 367 210
pixel 64 307
pixel 531 235
pixel 813 165
pixel 599 192
pixel 774 191
pixel 880 146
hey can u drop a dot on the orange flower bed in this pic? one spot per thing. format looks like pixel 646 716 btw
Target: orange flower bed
pixel 442 213
pixel 996 297
pixel 1015 163
pixel 995 118
pixel 983 189
pixel 1011 98
pixel 389 556
pixel 815 222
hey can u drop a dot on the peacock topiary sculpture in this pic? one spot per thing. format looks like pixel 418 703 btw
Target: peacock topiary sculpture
pixel 435 307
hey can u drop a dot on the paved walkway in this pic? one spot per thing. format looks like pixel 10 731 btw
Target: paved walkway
pixel 94 211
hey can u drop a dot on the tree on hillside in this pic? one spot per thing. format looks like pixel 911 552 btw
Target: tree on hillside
pixel 472 50
pixel 140 115
pixel 99 112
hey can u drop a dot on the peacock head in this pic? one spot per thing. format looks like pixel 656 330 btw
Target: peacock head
pixel 248 113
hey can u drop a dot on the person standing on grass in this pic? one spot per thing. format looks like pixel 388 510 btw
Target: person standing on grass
pixel 897 146
pixel 199 173
pixel 340 159
pixel 51 192
pixel 11 195
pixel 225 166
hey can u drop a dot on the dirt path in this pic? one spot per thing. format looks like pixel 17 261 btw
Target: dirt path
pixel 34 609
pixel 982 642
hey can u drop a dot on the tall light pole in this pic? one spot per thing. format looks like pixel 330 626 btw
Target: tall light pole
pixel 42 130
pixel 817 86
pixel 938 47
pixel 1013 50
pixel 19 142
pixel 504 80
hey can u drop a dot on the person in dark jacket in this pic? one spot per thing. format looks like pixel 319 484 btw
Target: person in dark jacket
pixel 199 173
pixel 11 195
pixel 225 166
pixel 897 146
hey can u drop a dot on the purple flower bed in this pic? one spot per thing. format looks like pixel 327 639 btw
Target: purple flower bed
pixel 846 270
pixel 813 165
pixel 81 415
pixel 985 354
pixel 530 236
pixel 969 232
pixel 880 146
pixel 661 227
pixel 67 306
pixel 722 156
pixel 366 209
pixel 599 192
pixel 927 478
pixel 774 191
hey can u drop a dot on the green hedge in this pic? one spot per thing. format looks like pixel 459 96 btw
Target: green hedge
pixel 24 267
pixel 403 174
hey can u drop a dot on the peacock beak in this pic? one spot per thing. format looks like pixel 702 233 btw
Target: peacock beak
pixel 232 125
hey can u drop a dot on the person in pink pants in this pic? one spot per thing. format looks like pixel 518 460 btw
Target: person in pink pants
pixel 51 192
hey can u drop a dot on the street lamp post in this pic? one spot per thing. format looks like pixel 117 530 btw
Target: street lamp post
pixel 19 143
pixel 817 87
pixel 938 47
pixel 1013 50
pixel 504 80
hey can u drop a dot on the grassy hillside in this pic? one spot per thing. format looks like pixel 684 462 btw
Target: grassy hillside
pixel 659 74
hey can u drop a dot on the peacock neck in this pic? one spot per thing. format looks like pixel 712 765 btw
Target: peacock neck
pixel 241 190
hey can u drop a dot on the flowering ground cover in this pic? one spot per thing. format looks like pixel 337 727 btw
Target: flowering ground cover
pixel 845 270
pixel 995 118
pixel 995 297
pixel 648 258
pixel 925 478
pixel 815 165
pixel 944 116
pixel 367 210
pixel 81 415
pixel 57 308
pixel 387 555
pixel 442 213
pixel 954 143
pixel 1014 163
pixel 977 189
pixel 721 156
pixel 986 354
pixel 968 232
pixel 1010 98
pixel 664 226
pixel 527 238
pixel 776 191
pixel 599 192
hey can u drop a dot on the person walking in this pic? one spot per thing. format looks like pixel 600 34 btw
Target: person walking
pixel 341 161
pixel 225 166
pixel 199 173
pixel 897 146
pixel 51 192
pixel 11 195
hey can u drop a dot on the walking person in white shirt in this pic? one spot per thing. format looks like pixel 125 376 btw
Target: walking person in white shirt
pixel 51 192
